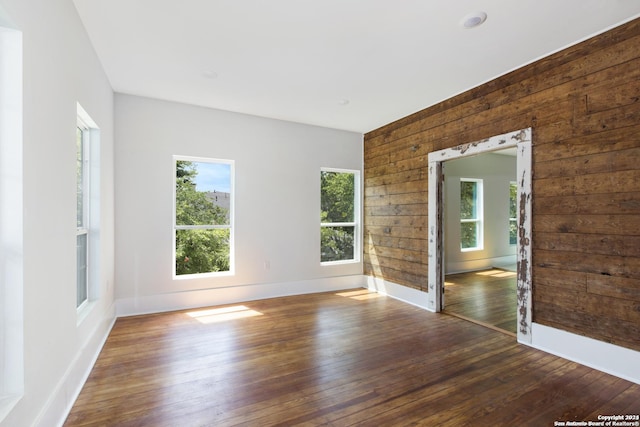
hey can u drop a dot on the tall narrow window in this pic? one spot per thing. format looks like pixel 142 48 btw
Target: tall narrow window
pixel 12 349
pixel 82 212
pixel 87 210
pixel 203 216
pixel 339 215
pixel 470 214
pixel 513 213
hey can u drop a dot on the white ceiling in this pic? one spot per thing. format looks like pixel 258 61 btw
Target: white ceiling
pixel 299 60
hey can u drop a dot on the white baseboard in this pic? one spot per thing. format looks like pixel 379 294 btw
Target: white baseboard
pixel 399 292
pixel 209 297
pixel 612 359
pixel 69 387
pixel 479 264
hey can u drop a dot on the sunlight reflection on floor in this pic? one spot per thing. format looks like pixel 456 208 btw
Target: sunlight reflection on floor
pixel 497 273
pixel 360 295
pixel 222 314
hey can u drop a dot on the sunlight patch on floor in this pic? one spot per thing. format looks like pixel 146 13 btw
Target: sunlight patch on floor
pixel 359 295
pixel 497 273
pixel 223 314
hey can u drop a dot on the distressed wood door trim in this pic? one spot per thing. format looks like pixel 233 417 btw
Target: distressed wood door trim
pixel 522 141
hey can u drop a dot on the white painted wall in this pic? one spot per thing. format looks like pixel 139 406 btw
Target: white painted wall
pixel 60 69
pixel 496 171
pixel 277 204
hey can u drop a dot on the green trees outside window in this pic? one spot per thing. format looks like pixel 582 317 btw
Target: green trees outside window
pixel 513 212
pixel 203 217
pixel 338 213
pixel 470 214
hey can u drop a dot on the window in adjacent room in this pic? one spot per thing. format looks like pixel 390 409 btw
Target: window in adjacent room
pixel 339 215
pixel 513 213
pixel 470 214
pixel 203 225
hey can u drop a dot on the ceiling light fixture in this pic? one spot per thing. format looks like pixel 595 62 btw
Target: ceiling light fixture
pixel 473 20
pixel 343 101
pixel 210 74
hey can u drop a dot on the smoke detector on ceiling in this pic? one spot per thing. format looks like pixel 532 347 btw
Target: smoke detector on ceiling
pixel 473 20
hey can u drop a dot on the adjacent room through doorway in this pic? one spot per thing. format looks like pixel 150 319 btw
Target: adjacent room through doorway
pixel 480 233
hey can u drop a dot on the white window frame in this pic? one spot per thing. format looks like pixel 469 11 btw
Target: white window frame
pixel 91 211
pixel 12 325
pixel 356 218
pixel 83 229
pixel 230 226
pixel 479 220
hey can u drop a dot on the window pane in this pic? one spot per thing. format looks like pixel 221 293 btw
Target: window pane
pixel 468 200
pixel 79 179
pixel 513 201
pixel 337 196
pixel 513 212
pixel 337 243
pixel 469 235
pixel 513 232
pixel 81 249
pixel 202 251
pixel 203 193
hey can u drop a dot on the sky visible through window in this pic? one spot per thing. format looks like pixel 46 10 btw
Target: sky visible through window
pixel 213 176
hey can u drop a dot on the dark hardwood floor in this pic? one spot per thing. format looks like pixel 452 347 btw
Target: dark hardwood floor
pixel 487 297
pixel 335 359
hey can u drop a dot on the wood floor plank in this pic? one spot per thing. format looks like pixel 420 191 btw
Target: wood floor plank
pixel 337 359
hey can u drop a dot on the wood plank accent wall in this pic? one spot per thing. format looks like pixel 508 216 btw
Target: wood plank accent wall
pixel 583 105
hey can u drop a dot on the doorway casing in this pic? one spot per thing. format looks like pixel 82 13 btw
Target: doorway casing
pixel 521 140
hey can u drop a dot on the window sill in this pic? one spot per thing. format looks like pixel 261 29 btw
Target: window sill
pixel 203 275
pixel 83 312
pixel 347 261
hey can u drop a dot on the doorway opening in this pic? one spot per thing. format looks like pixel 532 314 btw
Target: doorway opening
pixel 480 236
pixel 520 141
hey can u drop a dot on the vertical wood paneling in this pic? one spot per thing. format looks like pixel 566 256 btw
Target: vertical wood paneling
pixel 583 105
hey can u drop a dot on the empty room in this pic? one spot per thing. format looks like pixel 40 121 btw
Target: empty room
pixel 319 213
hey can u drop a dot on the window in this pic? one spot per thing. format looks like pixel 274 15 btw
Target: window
pixel 82 212
pixel 12 349
pixel 470 214
pixel 203 224
pixel 87 210
pixel 513 213
pixel 339 215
